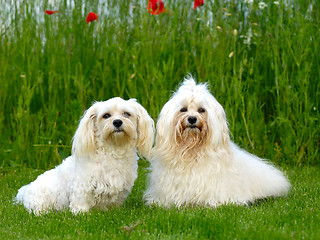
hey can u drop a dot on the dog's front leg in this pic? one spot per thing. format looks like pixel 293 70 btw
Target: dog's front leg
pixel 81 202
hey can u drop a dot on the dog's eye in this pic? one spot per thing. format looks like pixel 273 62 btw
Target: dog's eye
pixel 126 114
pixel 107 115
pixel 183 109
pixel 201 110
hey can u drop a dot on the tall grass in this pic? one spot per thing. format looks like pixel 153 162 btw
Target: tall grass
pixel 53 67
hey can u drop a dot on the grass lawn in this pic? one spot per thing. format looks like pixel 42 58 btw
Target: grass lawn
pixel 296 216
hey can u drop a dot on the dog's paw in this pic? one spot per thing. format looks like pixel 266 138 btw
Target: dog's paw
pixel 77 209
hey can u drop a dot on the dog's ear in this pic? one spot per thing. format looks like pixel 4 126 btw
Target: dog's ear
pixel 165 133
pixel 218 125
pixel 145 129
pixel 84 138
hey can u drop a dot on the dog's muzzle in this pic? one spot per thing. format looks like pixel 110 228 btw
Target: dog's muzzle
pixel 118 123
pixel 192 120
pixel 193 123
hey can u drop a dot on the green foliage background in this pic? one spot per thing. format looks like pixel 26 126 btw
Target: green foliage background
pixel 265 74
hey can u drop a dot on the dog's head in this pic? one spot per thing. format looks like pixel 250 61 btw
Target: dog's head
pixel 192 120
pixel 116 123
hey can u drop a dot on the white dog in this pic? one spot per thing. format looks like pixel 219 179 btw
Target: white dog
pixel 194 161
pixel 103 166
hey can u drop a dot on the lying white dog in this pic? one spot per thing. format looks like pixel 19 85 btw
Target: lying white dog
pixel 194 161
pixel 103 166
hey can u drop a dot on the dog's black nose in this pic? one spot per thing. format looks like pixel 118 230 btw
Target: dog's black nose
pixel 192 119
pixel 117 123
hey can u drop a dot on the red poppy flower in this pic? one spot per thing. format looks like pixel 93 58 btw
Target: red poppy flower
pixel 198 3
pixel 50 12
pixel 92 17
pixel 155 7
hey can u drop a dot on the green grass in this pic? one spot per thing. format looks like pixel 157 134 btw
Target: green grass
pixel 53 67
pixel 296 216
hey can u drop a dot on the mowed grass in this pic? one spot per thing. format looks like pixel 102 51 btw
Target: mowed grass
pixel 296 216
pixel 262 65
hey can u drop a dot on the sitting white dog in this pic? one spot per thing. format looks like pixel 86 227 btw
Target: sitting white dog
pixel 195 162
pixel 103 166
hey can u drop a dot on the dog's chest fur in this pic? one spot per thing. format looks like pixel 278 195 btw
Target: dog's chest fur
pixel 109 180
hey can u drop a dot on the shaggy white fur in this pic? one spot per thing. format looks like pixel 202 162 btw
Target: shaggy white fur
pixel 195 162
pixel 103 166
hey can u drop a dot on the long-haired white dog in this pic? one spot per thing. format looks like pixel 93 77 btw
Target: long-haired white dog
pixel 103 166
pixel 195 162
